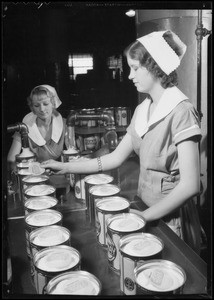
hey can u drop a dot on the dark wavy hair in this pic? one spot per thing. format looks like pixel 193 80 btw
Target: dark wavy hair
pixel 138 52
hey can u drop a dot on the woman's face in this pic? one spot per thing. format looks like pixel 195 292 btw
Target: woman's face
pixel 42 106
pixel 141 77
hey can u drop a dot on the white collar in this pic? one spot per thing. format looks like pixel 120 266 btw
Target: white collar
pixel 168 101
pixel 34 133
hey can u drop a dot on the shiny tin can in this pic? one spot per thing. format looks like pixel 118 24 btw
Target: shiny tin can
pixel 159 277
pixel 74 283
pixel 95 179
pixel 117 227
pixel 37 219
pixel 39 203
pixel 105 208
pixel 53 261
pixel 134 249
pixel 97 192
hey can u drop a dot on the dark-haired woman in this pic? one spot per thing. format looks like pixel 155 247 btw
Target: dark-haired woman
pixel 164 132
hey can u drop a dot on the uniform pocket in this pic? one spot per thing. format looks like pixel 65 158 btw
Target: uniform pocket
pixel 168 183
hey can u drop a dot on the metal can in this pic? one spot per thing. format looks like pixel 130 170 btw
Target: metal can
pixel 95 179
pixel 100 191
pixel 134 249
pixel 39 203
pixel 74 283
pixel 159 276
pixel 25 159
pixel 31 180
pixel 53 261
pixel 105 208
pixel 122 116
pixel 117 227
pixel 39 190
pixel 21 173
pixel 70 155
pixel 37 219
pixel 79 186
pixel 48 236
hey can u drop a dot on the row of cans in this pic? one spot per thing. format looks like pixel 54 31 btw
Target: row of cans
pixel 121 115
pixel 131 251
pixel 48 243
pixel 136 256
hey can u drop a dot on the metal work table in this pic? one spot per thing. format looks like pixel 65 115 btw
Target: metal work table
pixel 93 256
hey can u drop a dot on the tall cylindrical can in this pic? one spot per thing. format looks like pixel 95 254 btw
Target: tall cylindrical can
pixel 53 261
pixel 105 208
pixel 39 191
pixel 117 227
pixel 97 192
pixel 39 203
pixel 37 219
pixel 159 277
pixel 122 116
pixel 74 283
pixel 95 179
pixel 134 249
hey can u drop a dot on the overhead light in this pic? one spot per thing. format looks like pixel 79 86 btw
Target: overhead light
pixel 130 13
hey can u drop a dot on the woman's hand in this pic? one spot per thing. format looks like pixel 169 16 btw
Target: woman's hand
pixel 52 164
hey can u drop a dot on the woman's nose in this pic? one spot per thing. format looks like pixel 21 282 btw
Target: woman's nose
pixel 131 75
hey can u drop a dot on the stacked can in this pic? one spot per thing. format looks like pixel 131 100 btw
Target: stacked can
pixel 53 261
pixel 74 283
pixel 117 227
pixel 105 208
pixel 135 249
pixel 159 277
pixel 79 185
pixel 69 155
pixel 39 203
pixel 91 180
pixel 97 192
pixel 122 116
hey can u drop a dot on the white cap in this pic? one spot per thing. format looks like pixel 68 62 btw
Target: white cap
pixel 161 52
pixel 53 92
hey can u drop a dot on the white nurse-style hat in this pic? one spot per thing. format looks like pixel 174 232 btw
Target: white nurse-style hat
pixel 53 92
pixel 162 53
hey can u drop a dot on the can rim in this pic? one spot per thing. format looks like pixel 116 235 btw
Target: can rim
pixel 164 263
pixel 54 281
pixel 113 198
pixel 118 216
pixel 36 198
pixel 44 211
pixel 102 175
pixel 41 253
pixel 38 230
pixel 127 238
pixel 97 186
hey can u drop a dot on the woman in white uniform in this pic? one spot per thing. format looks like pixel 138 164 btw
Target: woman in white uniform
pixel 45 124
pixel 164 132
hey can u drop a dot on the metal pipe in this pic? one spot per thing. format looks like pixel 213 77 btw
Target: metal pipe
pixel 200 33
pixel 23 129
pixel 110 135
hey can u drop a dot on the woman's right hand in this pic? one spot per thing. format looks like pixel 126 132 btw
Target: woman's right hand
pixel 52 164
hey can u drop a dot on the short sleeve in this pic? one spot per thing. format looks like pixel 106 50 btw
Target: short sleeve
pixel 185 122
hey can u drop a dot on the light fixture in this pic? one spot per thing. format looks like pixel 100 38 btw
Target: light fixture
pixel 130 13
